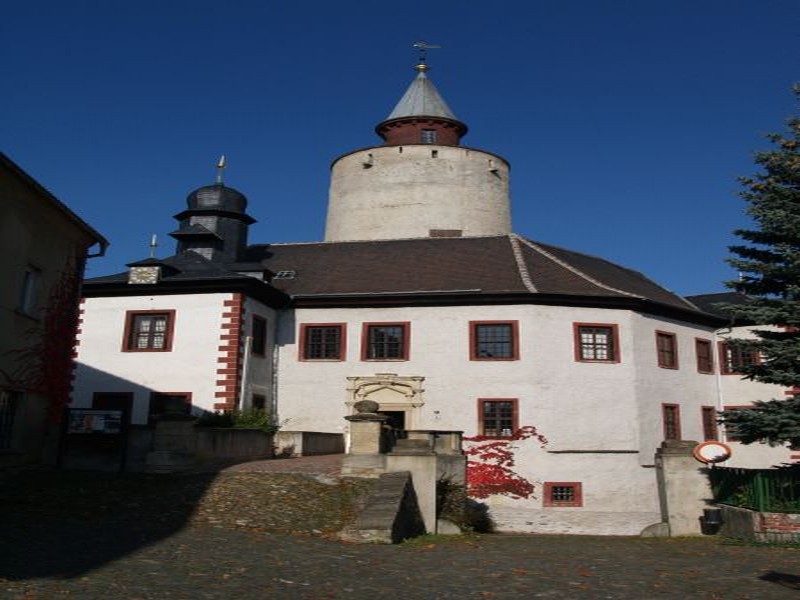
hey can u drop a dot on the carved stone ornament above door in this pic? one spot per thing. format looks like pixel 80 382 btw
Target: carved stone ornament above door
pixel 389 390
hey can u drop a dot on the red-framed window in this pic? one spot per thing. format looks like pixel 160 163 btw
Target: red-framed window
pixel 563 493
pixel 169 403
pixel 703 351
pixel 498 417
pixel 259 333
pixel 323 341
pixel 596 342
pixel 385 341
pixel 671 419
pixel 667 349
pixel 494 340
pixel 732 357
pixel 148 331
pixel 709 416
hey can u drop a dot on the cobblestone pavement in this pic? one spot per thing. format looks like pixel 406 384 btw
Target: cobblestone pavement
pixel 145 537
pixel 329 464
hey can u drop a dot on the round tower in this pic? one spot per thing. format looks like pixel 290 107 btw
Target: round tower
pixel 421 182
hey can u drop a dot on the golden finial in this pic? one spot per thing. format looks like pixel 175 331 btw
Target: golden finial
pixel 423 47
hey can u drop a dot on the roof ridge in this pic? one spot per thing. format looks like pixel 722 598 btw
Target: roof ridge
pixel 524 274
pixel 575 270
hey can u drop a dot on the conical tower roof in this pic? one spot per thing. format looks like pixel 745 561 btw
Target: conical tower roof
pixel 421 116
pixel 422 99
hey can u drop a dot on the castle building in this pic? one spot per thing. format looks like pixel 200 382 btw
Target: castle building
pixel 423 299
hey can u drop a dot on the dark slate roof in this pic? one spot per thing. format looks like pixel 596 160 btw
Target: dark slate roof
pixel 194 231
pixel 497 269
pixel 187 273
pixel 188 266
pixel 475 265
pixel 709 303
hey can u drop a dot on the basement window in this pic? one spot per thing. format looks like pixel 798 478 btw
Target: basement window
pixel 563 493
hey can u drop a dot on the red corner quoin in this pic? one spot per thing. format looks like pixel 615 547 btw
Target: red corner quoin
pixel 229 361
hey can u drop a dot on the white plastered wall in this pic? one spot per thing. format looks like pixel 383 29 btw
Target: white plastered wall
pixel 392 192
pixel 191 365
pixel 683 386
pixel 591 413
pixel 257 370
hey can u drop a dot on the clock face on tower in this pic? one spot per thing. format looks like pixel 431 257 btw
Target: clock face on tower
pixel 143 275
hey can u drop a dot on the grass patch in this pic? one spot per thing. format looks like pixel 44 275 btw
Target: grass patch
pixel 729 541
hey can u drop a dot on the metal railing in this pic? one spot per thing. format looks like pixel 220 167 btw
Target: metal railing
pixel 764 490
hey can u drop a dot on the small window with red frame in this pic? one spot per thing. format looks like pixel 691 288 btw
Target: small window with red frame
pixel 322 341
pixel 493 340
pixel 734 356
pixel 498 418
pixel 704 355
pixel 563 493
pixel 667 348
pixel 385 341
pixel 596 343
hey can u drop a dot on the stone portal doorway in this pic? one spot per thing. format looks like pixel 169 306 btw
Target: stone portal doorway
pixel 396 420
pixel 399 397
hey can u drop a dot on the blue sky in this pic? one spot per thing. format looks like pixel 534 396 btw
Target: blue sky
pixel 626 123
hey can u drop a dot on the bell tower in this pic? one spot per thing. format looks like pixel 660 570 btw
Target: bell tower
pixel 215 223
pixel 421 182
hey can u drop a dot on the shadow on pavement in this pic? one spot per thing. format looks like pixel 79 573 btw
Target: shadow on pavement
pixel 783 579
pixel 64 523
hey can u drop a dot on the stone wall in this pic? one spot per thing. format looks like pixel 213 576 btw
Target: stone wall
pixel 749 524
pixel 308 443
pixel 223 443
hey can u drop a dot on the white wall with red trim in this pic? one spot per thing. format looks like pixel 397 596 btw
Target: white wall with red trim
pixel 196 362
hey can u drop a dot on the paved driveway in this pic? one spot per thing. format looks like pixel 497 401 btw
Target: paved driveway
pixel 203 562
pixel 105 537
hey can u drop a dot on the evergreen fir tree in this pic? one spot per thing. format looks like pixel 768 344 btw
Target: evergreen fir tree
pixel 770 277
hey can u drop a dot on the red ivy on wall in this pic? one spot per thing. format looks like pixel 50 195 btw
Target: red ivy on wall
pixel 46 366
pixel 490 462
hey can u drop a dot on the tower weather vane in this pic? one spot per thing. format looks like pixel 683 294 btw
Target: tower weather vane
pixel 423 47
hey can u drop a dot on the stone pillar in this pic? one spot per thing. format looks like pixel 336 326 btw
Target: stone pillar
pixel 173 445
pixel 364 458
pixel 415 454
pixel 683 487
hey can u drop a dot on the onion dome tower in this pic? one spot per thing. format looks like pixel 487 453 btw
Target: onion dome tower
pixel 215 223
pixel 421 182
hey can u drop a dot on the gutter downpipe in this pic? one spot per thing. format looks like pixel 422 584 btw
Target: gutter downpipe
pixel 720 395
pixel 248 346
